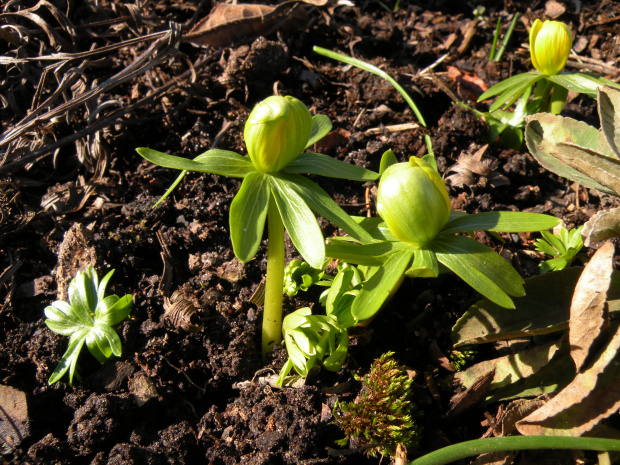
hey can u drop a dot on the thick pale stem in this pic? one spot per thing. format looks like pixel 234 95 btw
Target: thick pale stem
pixel 274 287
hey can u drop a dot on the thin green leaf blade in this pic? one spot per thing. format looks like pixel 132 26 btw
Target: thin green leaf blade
pixel 500 222
pixel 324 165
pixel 299 221
pixel 512 82
pixel 248 212
pixel 374 254
pixel 222 162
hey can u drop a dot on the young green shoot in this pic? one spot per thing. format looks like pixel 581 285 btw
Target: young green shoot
pixel 88 317
pixel 564 246
pixel 418 235
pixel 430 157
pixel 500 52
pixel 276 133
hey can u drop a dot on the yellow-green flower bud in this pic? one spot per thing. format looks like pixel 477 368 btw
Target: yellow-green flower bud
pixel 276 132
pixel 413 201
pixel 550 44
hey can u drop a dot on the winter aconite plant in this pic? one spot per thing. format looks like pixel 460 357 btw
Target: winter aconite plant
pixel 417 235
pixel 550 46
pixel 276 132
pixel 88 317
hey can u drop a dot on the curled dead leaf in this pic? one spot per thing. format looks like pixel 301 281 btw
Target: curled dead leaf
pixel 228 23
pixel 589 314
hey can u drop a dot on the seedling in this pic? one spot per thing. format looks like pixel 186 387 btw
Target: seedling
pixel 88 317
pixel 564 246
pixel 384 414
pixel 299 276
pixel 322 339
pixel 415 236
pixel 276 132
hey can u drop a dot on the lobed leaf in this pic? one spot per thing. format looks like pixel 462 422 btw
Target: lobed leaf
pixel 381 285
pixel 480 267
pixel 320 202
pixel 299 221
pixel 112 310
pixel 61 319
pixel 83 298
pixel 68 361
pixel 374 254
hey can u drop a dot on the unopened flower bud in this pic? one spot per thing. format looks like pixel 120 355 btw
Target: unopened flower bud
pixel 550 44
pixel 413 201
pixel 276 132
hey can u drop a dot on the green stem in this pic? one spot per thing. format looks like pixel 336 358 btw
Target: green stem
pixel 274 284
pixel 481 446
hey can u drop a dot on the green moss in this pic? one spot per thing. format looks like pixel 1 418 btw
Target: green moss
pixel 383 414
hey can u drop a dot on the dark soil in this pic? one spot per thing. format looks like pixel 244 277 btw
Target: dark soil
pixel 180 397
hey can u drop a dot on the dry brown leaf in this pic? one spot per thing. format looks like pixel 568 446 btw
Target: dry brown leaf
pixel 14 418
pixel 229 23
pixel 554 9
pixel 590 398
pixel 515 411
pixel 471 396
pixel 589 315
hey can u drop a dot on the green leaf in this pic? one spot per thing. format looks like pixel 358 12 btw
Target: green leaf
pixel 112 310
pixel 320 202
pixel 222 162
pixel 609 111
pixel 512 82
pixel 480 267
pixel 546 135
pixel 321 125
pixel 578 82
pixel 424 264
pixel 69 359
pixel 376 227
pixel 299 221
pixel 381 286
pixel 512 94
pixel 103 284
pixel 387 159
pixel 248 211
pixel 500 222
pixel 373 254
pixel 103 342
pixel 82 297
pixel 324 165
pixel 61 319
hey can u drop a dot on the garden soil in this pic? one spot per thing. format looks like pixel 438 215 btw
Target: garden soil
pixel 190 386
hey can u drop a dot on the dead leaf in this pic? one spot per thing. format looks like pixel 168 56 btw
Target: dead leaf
pixel 76 253
pixel 603 225
pixel 554 9
pixel 14 418
pixel 468 85
pixel 515 411
pixel 589 315
pixel 510 368
pixel 590 398
pixel 476 170
pixel 228 23
pixel 495 458
pixel 471 396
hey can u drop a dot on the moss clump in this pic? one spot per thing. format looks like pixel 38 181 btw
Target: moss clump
pixel 383 413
